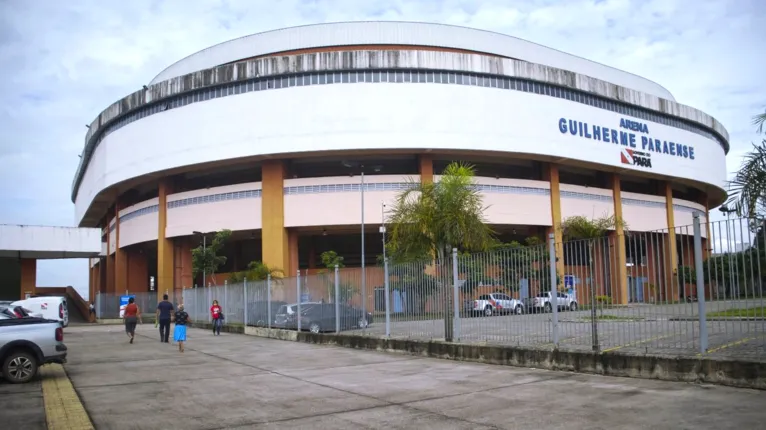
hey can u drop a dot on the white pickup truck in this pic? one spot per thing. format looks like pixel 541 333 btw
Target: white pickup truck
pixel 28 343
pixel 494 303
pixel 542 302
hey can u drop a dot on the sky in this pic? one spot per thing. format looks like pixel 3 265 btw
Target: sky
pixel 63 62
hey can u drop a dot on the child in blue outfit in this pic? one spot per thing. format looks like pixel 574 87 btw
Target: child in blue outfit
pixel 179 334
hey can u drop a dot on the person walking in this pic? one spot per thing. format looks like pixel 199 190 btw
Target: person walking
pixel 216 312
pixel 92 312
pixel 131 317
pixel 163 314
pixel 179 334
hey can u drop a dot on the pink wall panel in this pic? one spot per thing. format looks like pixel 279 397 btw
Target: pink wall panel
pixel 239 214
pixel 138 223
pixel 585 201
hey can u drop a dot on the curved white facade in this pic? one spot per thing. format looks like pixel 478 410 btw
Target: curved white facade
pixel 540 105
pixel 402 33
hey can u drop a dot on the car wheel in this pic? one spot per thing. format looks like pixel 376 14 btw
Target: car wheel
pixel 314 328
pixel 548 308
pixel 573 306
pixel 488 311
pixel 519 310
pixel 19 367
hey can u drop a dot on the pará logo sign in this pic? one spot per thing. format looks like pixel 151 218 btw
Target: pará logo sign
pixel 636 158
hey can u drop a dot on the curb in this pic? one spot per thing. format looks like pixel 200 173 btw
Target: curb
pixel 63 408
pixel 741 374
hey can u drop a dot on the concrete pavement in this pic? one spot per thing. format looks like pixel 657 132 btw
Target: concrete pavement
pixel 21 406
pixel 237 381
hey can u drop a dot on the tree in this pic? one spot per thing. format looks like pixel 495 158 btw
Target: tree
pixel 429 219
pixel 747 190
pixel 583 228
pixel 257 271
pixel 759 121
pixel 331 260
pixel 205 259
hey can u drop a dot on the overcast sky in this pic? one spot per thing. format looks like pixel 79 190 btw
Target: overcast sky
pixel 63 62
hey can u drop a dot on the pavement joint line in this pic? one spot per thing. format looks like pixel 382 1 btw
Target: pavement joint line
pixel 727 345
pixel 63 408
pixel 385 402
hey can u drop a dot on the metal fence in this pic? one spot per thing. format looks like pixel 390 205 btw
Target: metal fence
pixel 108 305
pixel 694 290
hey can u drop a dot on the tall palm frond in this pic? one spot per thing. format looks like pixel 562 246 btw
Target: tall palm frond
pixel 759 121
pixel 747 190
pixel 427 218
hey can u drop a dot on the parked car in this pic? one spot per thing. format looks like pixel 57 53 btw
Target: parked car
pixel 285 317
pixel 542 302
pixel 322 318
pixel 494 303
pixel 7 313
pixel 50 307
pixel 28 343
pixel 258 312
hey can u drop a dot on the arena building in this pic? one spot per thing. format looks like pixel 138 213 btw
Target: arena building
pixel 268 136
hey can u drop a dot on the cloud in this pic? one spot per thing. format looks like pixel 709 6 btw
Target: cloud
pixel 64 62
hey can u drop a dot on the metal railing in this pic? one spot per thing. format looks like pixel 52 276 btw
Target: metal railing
pixel 695 290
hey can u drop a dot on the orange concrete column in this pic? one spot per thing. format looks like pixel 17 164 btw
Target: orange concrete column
pixel 120 256
pixel 292 239
pixel 110 286
pixel 620 273
pixel 426 168
pixel 165 269
pixel 183 267
pixel 138 271
pixel 28 277
pixel 275 246
pixel 671 254
pixel 552 175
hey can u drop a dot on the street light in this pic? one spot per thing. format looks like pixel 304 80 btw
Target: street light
pixel 204 253
pixel 351 165
pixel 383 227
pixel 725 210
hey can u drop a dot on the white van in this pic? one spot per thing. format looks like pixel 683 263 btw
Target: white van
pixel 51 308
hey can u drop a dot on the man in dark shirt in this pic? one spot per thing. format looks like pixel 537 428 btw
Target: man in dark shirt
pixel 164 309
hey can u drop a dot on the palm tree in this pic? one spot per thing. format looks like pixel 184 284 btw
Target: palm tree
pixel 256 271
pixel 430 219
pixel 590 230
pixel 747 190
pixel 759 121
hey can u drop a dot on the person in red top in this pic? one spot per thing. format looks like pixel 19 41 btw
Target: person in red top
pixel 216 312
pixel 131 316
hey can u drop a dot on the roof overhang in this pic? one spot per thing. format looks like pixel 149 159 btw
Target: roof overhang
pixel 48 242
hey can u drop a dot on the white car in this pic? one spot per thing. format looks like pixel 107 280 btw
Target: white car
pixel 543 302
pixel 494 303
pixel 52 308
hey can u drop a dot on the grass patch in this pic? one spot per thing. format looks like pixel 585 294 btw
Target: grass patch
pixel 611 318
pixel 741 313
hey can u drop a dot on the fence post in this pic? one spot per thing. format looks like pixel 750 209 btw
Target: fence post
pixel 268 299
pixel 298 287
pixel 225 306
pixel 337 300
pixel 554 300
pixel 244 294
pixel 386 295
pixel 455 299
pixel 98 305
pixel 700 283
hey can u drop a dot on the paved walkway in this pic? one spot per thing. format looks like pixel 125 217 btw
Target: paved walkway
pixel 237 381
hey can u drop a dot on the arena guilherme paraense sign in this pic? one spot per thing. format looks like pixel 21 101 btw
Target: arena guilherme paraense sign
pixel 634 136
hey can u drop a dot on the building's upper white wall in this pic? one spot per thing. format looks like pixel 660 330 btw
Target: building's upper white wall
pixel 403 33
pixel 32 241
pixel 377 116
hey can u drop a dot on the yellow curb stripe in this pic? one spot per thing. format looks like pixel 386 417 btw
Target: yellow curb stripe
pixel 63 408
pixel 729 345
pixel 651 339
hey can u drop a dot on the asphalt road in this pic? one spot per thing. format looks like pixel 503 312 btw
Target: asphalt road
pixel 243 382
pixel 657 329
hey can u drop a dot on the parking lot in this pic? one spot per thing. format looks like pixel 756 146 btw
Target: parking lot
pixel 237 381
pixel 657 329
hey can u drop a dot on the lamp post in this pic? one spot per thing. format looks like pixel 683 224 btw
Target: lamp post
pixel 351 165
pixel 383 227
